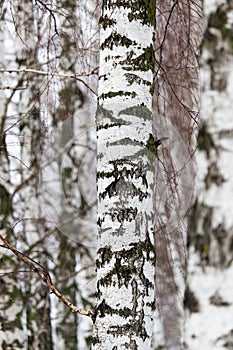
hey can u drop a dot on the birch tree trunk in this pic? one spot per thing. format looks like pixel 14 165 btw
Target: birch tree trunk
pixel 125 175
pixel 66 198
pixel 11 301
pixel 209 301
pixel 29 316
pixel 24 142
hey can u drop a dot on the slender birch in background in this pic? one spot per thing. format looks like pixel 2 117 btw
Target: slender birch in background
pixel 25 307
pixel 65 183
pixel 11 301
pixel 125 176
pixel 37 96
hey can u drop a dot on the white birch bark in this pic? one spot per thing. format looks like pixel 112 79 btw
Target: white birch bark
pixel 71 198
pixel 72 214
pixel 12 309
pixel 209 301
pixel 34 44
pixel 125 176
pixel 28 134
pixel 70 243
pixel 8 310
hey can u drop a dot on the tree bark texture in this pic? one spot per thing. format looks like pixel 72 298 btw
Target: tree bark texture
pixel 175 106
pixel 209 301
pixel 125 175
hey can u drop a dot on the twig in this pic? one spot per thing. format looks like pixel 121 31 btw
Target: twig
pixel 51 13
pixel 37 71
pixel 63 75
pixel 47 280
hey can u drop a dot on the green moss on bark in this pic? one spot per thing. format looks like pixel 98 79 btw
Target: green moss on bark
pixel 205 140
pixel 106 22
pixel 116 39
pixel 128 263
pixel 219 20
pixel 140 10
pixel 139 111
pixel 143 62
pixel 111 94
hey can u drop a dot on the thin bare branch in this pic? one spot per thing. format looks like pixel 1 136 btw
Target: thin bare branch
pixel 45 278
pixel 54 74
pixel 51 13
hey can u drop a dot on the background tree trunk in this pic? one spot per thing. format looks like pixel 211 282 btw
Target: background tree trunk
pixel 175 106
pixel 209 301
pixel 125 175
pixel 47 203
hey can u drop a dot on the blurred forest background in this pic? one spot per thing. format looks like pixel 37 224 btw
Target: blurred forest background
pixel 48 93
